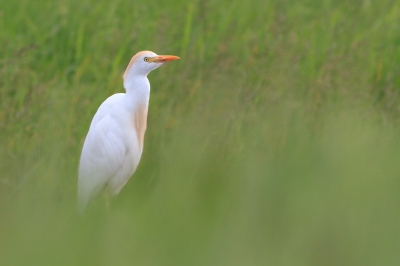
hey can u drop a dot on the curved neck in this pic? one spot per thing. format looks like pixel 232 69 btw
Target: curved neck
pixel 137 88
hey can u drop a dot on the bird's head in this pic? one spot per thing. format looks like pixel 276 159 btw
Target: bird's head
pixel 144 62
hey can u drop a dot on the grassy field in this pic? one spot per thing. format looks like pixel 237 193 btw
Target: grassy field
pixel 275 140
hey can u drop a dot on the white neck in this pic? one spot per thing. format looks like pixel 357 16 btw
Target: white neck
pixel 137 89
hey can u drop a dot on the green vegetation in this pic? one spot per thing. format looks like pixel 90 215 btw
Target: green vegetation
pixel 275 140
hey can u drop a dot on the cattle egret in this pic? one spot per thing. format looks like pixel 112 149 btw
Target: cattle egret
pixel 114 143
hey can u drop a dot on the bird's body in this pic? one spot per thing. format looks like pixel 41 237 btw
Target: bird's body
pixel 114 144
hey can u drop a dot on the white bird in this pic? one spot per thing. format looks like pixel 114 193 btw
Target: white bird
pixel 114 143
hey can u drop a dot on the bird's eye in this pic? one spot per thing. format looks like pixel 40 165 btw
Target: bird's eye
pixel 146 59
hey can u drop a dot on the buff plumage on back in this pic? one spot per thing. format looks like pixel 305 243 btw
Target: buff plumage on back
pixel 114 144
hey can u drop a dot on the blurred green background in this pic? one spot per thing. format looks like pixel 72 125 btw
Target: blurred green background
pixel 275 140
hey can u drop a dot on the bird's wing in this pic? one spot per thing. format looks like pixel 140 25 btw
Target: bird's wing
pixel 106 107
pixel 103 152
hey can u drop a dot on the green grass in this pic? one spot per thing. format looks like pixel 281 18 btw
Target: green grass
pixel 275 140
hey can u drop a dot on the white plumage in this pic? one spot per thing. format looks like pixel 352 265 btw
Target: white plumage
pixel 114 143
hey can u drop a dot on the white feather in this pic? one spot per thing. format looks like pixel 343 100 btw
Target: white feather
pixel 114 143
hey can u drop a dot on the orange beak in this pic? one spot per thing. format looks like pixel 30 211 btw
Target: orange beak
pixel 164 58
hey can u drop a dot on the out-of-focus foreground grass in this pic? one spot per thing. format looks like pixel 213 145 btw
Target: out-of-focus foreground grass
pixel 273 141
